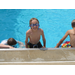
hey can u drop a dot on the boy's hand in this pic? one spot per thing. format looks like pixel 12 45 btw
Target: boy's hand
pixel 43 47
pixel 11 47
pixel 56 47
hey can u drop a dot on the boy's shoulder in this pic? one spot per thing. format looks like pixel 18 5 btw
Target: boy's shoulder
pixel 70 31
pixel 4 42
pixel 40 29
pixel 28 31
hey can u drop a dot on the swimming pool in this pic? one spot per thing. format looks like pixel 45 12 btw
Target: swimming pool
pixel 55 22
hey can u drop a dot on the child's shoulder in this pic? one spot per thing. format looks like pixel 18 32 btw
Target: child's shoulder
pixel 28 31
pixel 40 29
pixel 4 41
pixel 70 30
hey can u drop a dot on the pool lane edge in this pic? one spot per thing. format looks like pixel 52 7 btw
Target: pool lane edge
pixel 37 56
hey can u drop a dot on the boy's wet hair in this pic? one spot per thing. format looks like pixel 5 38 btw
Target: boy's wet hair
pixel 33 19
pixel 73 23
pixel 11 41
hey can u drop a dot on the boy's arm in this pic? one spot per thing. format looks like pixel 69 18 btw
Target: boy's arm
pixel 26 40
pixel 5 46
pixel 64 37
pixel 44 40
pixel 20 44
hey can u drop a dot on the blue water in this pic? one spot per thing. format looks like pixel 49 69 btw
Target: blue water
pixel 55 22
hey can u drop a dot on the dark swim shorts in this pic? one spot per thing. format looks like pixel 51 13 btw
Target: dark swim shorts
pixel 38 45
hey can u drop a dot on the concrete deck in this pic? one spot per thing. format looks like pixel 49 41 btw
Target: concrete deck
pixel 36 56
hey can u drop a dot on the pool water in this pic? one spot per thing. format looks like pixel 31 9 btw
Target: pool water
pixel 55 22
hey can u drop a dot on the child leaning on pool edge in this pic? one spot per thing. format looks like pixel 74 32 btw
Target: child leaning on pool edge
pixel 71 33
pixel 34 35
pixel 12 42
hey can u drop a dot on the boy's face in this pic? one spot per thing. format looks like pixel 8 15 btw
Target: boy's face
pixel 34 25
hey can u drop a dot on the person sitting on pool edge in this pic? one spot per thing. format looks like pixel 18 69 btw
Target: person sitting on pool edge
pixel 34 35
pixel 12 42
pixel 71 33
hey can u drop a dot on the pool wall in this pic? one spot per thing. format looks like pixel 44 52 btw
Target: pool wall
pixel 34 56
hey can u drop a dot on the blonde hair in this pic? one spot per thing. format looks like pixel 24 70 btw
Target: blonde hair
pixel 33 19
pixel 73 23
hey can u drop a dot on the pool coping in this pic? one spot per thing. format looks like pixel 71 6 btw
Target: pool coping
pixel 39 63
pixel 2 49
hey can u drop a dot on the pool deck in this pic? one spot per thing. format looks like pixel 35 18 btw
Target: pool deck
pixel 37 56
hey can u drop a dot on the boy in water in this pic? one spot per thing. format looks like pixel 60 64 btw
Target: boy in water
pixel 71 33
pixel 34 35
pixel 12 42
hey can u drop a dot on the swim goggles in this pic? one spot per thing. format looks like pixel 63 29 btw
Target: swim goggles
pixel 32 25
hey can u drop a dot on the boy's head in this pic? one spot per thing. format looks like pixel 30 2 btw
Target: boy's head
pixel 34 24
pixel 30 22
pixel 11 41
pixel 73 23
